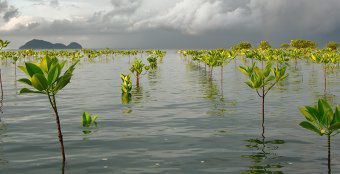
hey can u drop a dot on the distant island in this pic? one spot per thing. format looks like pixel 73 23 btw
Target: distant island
pixel 41 44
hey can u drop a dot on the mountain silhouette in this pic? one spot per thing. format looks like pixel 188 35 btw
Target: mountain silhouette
pixel 41 44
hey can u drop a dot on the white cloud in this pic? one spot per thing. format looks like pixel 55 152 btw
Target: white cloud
pixel 275 19
pixel 19 22
pixel 54 3
pixel 197 16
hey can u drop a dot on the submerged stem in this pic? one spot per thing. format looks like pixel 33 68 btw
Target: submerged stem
pixel 263 96
pixel 222 81
pixel 137 79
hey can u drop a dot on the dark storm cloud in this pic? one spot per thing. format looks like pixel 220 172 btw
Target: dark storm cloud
pixel 7 12
pixel 11 13
pixel 195 23
pixel 3 5
pixel 54 3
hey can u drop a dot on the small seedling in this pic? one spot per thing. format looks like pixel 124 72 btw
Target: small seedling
pixel 126 84
pixel 263 80
pixel 88 120
pixel 322 120
pixel 45 78
pixel 3 44
pixel 137 68
pixel 152 62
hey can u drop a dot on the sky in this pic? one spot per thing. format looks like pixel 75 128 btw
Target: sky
pixel 168 24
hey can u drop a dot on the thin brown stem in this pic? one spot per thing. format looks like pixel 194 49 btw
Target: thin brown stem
pixel 263 96
pixel 329 154
pixel 258 93
pixel 51 97
pixel 270 88
pixel 222 81
pixel 2 93
pixel 137 80
pixel 15 74
pixel 325 79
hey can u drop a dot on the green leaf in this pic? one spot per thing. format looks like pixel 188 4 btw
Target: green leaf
pixel 39 82
pixel 337 114
pixel 250 84
pixel 23 69
pixel 270 78
pixel 25 81
pixel 62 64
pixel 53 75
pixel 311 127
pixel 44 64
pixel 243 70
pixel 268 69
pixel 33 69
pixel 84 119
pixel 335 127
pixel 95 117
pixel 62 82
pixel 122 77
pixel 320 107
pixel 328 112
pixel 315 113
pixel 309 115
pixel 28 91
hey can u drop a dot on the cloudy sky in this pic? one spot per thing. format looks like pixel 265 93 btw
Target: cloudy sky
pixel 168 23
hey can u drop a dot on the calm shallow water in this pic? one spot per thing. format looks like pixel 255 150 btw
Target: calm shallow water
pixel 177 123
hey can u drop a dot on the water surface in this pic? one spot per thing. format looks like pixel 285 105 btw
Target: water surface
pixel 178 122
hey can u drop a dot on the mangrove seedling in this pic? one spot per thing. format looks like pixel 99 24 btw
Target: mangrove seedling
pixel 137 68
pixel 126 88
pixel 126 84
pixel 152 62
pixel 88 120
pixel 325 58
pixel 322 120
pixel 263 80
pixel 45 78
pixel 3 44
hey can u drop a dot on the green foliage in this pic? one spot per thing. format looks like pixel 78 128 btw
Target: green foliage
pixel 321 118
pixel 126 98
pixel 88 120
pixel 3 44
pixel 126 84
pixel 152 62
pixel 156 53
pixel 284 46
pixel 325 57
pixel 332 45
pixel 213 58
pixel 299 43
pixel 264 45
pixel 45 77
pixel 242 46
pixel 137 67
pixel 263 78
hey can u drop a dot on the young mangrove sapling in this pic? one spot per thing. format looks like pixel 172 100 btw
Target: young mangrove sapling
pixel 45 78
